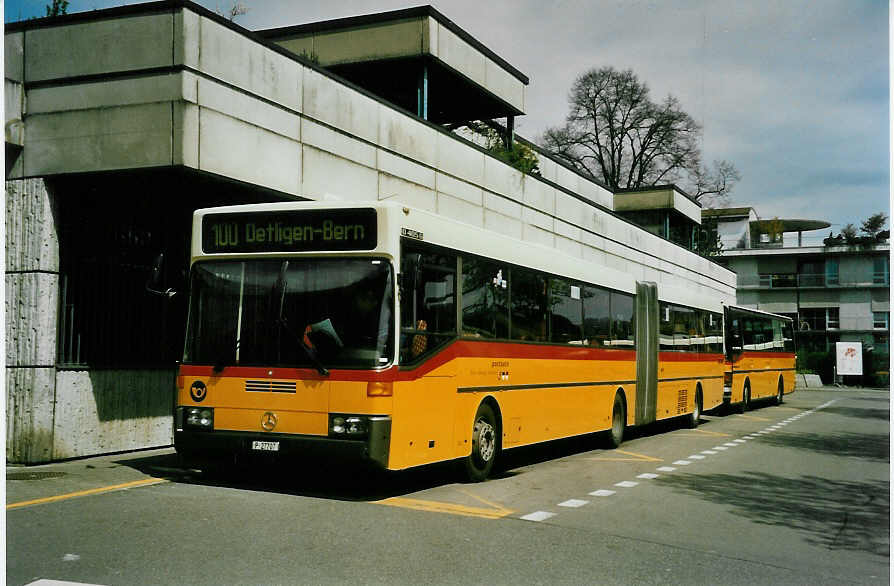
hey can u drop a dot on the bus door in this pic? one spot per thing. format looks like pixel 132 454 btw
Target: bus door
pixel 646 352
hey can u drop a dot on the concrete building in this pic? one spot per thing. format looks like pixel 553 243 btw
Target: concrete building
pixel 121 122
pixel 834 292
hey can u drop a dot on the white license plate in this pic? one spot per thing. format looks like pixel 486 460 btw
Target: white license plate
pixel 265 446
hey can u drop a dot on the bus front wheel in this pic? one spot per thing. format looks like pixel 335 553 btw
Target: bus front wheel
pixel 780 392
pixel 485 437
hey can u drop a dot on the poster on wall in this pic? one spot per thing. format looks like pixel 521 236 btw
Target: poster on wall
pixel 849 358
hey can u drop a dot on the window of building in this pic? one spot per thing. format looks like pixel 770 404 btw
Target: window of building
pixel 810 273
pixel 832 271
pixel 832 318
pixel 880 320
pixel 880 270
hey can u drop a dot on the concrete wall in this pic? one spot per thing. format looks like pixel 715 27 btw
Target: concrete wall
pixel 32 285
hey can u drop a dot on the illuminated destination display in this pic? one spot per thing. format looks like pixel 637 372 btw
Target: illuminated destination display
pixel 290 231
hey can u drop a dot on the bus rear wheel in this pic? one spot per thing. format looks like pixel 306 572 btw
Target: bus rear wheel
pixel 692 420
pixel 619 422
pixel 485 438
pixel 746 399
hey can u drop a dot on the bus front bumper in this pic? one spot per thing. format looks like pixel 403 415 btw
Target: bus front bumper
pixel 218 445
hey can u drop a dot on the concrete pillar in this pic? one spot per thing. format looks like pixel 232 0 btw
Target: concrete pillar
pixel 32 291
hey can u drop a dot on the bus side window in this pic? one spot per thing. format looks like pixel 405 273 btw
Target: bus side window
pixel 428 306
pixel 597 316
pixel 622 320
pixel 566 312
pixel 665 327
pixel 485 298
pixel 528 300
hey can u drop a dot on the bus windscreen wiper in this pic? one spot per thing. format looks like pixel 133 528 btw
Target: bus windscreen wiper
pixel 310 352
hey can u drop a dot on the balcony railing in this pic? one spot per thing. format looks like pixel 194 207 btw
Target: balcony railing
pixel 793 280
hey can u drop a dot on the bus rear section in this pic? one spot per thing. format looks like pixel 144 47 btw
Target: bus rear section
pixel 760 357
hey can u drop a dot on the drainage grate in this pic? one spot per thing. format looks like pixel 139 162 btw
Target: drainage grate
pixel 34 475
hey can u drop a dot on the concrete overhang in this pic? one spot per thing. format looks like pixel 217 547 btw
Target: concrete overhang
pixel 385 53
pixel 659 197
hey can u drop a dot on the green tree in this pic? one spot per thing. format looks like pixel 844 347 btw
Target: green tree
pixel 57 8
pixel 874 224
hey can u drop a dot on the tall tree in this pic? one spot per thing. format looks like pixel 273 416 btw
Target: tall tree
pixel 616 133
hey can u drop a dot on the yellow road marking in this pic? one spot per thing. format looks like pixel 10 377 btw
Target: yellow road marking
pixel 636 458
pixel 450 508
pixel 716 433
pixel 752 417
pixel 102 489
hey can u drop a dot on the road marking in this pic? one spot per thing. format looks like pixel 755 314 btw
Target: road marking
pixel 753 417
pixel 682 462
pixel 538 516
pixel 450 508
pixel 626 484
pixel 665 468
pixel 709 452
pixel 739 441
pixel 635 458
pixel 695 457
pixel 100 490
pixel 731 445
pixel 648 476
pixel 574 503
pixel 714 433
pixel 602 492
pixel 721 448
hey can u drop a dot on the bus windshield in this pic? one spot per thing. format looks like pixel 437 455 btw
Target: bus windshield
pixel 304 313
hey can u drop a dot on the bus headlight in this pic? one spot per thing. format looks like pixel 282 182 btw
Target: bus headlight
pixel 352 426
pixel 198 418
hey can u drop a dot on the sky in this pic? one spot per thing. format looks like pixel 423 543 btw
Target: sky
pixel 794 93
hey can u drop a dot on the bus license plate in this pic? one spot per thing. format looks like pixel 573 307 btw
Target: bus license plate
pixel 265 446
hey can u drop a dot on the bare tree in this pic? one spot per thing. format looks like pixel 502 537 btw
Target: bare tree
pixel 235 10
pixel 617 134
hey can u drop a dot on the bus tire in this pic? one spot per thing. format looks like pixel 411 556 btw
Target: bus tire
pixel 692 419
pixel 780 392
pixel 485 444
pixel 619 422
pixel 746 398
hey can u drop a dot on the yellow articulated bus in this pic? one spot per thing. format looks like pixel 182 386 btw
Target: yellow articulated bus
pixel 403 338
pixel 760 357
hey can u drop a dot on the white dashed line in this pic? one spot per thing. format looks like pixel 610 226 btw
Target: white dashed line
pixel 709 452
pixel 695 457
pixel 730 444
pixel 721 448
pixel 682 462
pixel 739 441
pixel 648 476
pixel 573 503
pixel 626 484
pixel 538 516
pixel 665 468
pixel 602 492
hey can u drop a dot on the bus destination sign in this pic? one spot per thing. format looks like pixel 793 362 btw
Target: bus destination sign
pixel 290 231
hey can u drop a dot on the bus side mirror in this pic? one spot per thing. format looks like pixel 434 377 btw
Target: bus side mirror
pixel 153 285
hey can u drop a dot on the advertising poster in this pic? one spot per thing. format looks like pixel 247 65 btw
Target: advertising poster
pixel 849 358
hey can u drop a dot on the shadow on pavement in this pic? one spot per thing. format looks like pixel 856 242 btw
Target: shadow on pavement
pixel 860 412
pixel 830 513
pixel 874 447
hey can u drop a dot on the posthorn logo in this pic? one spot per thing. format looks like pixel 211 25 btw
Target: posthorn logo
pixel 198 391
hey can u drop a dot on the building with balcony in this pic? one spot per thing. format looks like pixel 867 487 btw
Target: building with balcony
pixel 834 292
